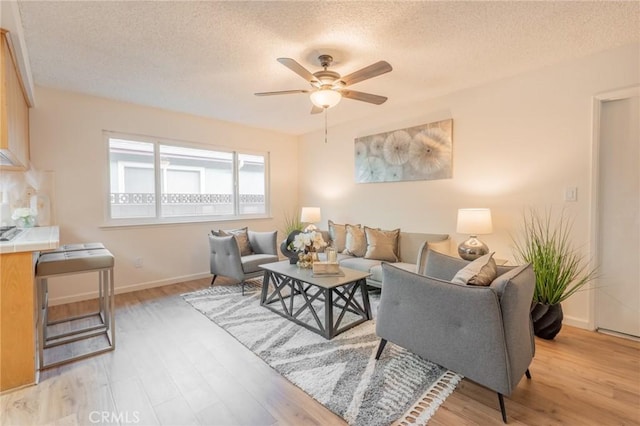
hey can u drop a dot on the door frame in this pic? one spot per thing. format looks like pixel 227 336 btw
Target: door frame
pixel 594 219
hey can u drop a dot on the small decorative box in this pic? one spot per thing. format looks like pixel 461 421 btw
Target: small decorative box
pixel 326 268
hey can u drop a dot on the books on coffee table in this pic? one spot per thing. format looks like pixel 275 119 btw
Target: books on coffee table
pixel 327 269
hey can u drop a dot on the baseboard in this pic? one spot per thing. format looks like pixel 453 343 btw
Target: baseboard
pixel 618 334
pixel 6 391
pixel 127 289
pixel 577 322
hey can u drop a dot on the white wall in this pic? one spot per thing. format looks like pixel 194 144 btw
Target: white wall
pixel 67 138
pixel 517 143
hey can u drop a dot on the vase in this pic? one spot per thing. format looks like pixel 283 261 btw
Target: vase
pixel 41 204
pixel 547 319
pixel 284 247
pixel 306 259
pixel 26 222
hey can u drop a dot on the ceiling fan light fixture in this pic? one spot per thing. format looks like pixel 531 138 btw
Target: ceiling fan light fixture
pixel 325 98
pixel 328 87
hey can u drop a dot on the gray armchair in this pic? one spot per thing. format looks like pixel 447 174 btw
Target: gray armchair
pixel 225 256
pixel 482 333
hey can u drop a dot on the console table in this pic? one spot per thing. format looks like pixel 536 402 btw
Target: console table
pixel 327 305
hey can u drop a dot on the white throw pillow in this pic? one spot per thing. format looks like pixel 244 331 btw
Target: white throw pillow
pixel 338 235
pixel 356 241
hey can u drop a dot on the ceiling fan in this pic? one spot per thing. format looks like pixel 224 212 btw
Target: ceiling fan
pixel 328 87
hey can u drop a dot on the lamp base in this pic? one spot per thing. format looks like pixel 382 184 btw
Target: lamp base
pixel 472 249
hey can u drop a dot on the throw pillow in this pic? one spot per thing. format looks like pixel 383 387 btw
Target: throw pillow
pixel 481 271
pixel 443 246
pixel 338 235
pixel 500 283
pixel 242 238
pixel 355 242
pixel 382 245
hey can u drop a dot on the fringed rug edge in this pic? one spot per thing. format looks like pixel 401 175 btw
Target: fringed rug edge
pixel 427 405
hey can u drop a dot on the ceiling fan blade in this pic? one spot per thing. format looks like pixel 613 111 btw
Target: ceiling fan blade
pixel 298 69
pixel 281 92
pixel 365 97
pixel 316 109
pixel 365 73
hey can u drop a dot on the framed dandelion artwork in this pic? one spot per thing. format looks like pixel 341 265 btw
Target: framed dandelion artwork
pixel 416 153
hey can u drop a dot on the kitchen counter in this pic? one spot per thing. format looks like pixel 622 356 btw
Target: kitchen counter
pixel 33 239
pixel 18 311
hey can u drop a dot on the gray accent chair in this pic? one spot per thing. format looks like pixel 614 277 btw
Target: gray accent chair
pixel 225 256
pixel 482 333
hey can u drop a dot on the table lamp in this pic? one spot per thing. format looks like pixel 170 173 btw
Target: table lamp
pixel 310 215
pixel 473 222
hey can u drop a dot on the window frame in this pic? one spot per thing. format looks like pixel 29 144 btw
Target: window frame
pixel 158 219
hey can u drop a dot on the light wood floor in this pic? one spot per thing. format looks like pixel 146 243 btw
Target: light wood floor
pixel 174 366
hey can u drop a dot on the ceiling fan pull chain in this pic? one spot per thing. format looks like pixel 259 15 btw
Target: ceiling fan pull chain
pixel 325 125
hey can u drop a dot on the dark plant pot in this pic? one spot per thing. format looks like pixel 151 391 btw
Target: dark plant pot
pixel 547 319
pixel 292 255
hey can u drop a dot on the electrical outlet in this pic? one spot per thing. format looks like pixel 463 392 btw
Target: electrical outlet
pixel 571 193
pixel 138 262
pixel 29 192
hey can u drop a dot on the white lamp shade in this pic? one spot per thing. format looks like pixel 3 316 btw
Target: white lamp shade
pixel 474 221
pixel 310 215
pixel 325 98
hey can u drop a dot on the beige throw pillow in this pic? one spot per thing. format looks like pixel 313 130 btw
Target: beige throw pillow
pixel 382 245
pixel 242 238
pixel 355 242
pixel 481 271
pixel 338 235
pixel 443 246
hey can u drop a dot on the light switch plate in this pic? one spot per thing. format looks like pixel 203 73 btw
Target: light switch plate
pixel 571 193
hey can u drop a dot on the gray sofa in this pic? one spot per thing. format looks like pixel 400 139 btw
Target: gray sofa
pixel 411 245
pixel 483 333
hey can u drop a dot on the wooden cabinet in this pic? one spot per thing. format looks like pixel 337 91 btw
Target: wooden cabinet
pixel 14 112
pixel 17 321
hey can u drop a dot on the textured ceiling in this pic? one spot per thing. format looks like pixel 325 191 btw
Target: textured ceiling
pixel 208 58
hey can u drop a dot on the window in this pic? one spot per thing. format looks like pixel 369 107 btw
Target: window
pixel 158 181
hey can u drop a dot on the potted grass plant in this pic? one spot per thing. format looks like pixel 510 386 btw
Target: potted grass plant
pixel 292 222
pixel 559 268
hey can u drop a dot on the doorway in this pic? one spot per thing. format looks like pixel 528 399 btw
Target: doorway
pixel 617 211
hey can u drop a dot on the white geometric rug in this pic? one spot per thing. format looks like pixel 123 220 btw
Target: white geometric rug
pixel 342 374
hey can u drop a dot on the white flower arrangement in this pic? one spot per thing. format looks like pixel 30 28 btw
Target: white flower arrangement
pixel 23 213
pixel 311 241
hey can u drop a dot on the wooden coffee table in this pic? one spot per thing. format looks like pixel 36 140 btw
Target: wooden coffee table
pixel 295 290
